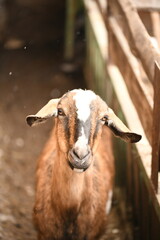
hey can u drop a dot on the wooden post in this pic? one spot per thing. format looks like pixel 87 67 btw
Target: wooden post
pixel 156 128
pixel 156 26
pixel 147 4
pixel 69 30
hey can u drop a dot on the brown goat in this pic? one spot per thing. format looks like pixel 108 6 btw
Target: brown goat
pixel 75 171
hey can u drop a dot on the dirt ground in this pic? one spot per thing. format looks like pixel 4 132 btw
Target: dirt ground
pixel 29 77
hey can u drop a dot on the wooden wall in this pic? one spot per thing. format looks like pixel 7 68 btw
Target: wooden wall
pixel 122 65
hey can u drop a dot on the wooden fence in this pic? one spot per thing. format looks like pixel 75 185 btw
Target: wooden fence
pixel 123 66
pixel 141 59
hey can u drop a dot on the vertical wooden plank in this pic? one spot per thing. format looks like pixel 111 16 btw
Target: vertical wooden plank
pixel 145 227
pixel 129 172
pixel 136 199
pixel 69 30
pixel 155 17
pixel 136 181
pixel 145 16
pixel 155 223
pixel 156 128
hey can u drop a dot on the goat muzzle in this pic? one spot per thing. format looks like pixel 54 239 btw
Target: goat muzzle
pixel 79 161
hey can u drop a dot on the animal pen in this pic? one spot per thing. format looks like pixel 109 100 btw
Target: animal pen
pixel 123 66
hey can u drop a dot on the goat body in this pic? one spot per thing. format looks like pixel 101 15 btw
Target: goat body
pixel 71 205
pixel 75 171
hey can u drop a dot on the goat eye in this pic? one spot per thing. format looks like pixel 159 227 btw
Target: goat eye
pixel 61 112
pixel 105 118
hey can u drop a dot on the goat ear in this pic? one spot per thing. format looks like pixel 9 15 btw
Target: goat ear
pixel 48 111
pixel 119 129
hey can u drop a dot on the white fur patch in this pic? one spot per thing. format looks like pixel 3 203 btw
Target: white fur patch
pixel 78 170
pixel 109 122
pixel 82 139
pixel 82 143
pixel 109 202
pixel 83 99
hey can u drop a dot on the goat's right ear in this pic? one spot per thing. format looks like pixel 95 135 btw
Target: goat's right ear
pixel 48 111
pixel 119 129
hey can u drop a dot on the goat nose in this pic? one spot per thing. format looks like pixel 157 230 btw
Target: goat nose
pixel 81 153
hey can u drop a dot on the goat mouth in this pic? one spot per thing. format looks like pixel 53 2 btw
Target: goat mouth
pixel 75 169
pixel 78 165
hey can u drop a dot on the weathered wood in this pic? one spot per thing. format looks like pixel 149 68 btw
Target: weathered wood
pixel 102 4
pixel 140 89
pixel 145 16
pixel 156 129
pixel 124 99
pixel 155 18
pixel 138 38
pixel 69 30
pixel 147 4
pixel 99 29
pixel 131 116
pixel 129 172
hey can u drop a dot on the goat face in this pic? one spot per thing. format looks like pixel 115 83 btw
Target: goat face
pixel 79 125
pixel 80 116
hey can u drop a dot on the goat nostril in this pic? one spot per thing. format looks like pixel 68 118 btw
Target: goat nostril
pixel 81 154
pixel 75 153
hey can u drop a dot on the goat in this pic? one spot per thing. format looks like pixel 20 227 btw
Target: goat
pixel 76 169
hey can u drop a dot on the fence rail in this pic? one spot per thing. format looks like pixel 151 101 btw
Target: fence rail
pixel 122 53
pixel 156 129
pixel 134 30
pixel 132 50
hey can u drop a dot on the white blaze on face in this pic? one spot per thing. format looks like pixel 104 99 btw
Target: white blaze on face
pixel 81 144
pixel 82 139
pixel 83 100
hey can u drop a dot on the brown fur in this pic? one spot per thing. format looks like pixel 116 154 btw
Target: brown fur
pixel 72 205
pixel 65 199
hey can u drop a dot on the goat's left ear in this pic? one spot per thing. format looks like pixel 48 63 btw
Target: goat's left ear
pixel 119 129
pixel 48 111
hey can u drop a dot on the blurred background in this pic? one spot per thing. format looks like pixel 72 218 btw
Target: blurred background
pixel 31 64
pixel 48 47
